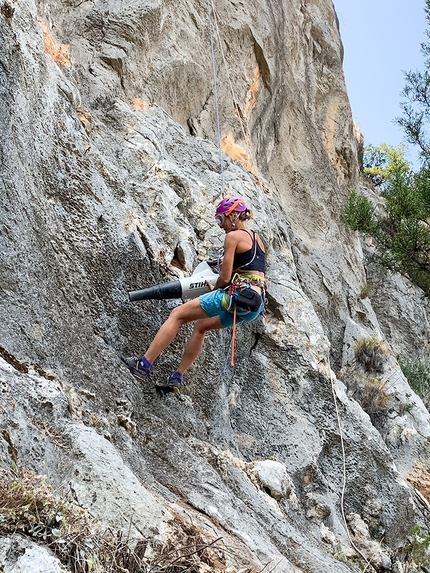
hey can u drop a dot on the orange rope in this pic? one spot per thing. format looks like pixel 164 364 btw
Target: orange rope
pixel 233 336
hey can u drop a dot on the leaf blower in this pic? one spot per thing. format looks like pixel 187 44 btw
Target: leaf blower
pixel 188 287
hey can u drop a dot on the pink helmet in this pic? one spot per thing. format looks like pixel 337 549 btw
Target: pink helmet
pixel 230 204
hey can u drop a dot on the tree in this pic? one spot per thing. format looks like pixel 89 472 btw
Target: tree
pixel 416 107
pixel 401 234
pixel 380 162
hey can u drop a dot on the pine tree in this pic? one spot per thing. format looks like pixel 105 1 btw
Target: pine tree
pixel 401 234
pixel 416 107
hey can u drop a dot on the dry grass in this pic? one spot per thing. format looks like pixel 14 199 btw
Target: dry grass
pixel 29 506
pixel 371 353
pixel 374 399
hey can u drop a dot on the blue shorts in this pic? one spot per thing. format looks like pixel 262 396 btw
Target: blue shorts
pixel 215 303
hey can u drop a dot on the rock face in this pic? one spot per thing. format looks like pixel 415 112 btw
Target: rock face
pixel 110 175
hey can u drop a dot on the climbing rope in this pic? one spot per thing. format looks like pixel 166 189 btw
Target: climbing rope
pixel 245 133
pixel 240 114
pixel 342 495
pixel 216 96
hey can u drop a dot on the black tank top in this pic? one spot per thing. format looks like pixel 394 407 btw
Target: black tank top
pixel 255 258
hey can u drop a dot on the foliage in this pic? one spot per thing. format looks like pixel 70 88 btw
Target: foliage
pixel 381 162
pixel 359 214
pixel 416 550
pixel 417 371
pixel 374 399
pixel 401 234
pixel 371 353
pixel 416 105
pixel 370 390
pixel 29 506
pixel 366 290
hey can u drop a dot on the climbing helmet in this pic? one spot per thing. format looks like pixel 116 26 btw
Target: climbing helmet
pixel 227 206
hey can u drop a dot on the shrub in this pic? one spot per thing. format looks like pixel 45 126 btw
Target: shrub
pixel 366 290
pixel 401 233
pixel 358 214
pixel 374 398
pixel 371 353
pixel 415 552
pixel 29 506
pixel 417 371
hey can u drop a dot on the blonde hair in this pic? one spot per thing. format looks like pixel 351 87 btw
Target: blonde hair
pixel 245 215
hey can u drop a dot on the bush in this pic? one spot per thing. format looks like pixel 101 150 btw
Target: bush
pixel 416 550
pixel 366 290
pixel 358 214
pixel 374 398
pixel 29 506
pixel 371 353
pixel 381 162
pixel 417 371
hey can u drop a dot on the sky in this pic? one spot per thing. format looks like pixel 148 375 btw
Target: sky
pixel 382 40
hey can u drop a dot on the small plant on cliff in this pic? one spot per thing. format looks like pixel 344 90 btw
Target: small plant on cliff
pixel 29 506
pixel 417 371
pixel 415 554
pixel 372 396
pixel 371 353
pixel 366 290
pixel 374 399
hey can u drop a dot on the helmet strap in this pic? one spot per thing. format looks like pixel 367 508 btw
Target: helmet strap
pixel 233 207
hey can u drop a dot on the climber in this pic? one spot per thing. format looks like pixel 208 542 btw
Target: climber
pixel 238 294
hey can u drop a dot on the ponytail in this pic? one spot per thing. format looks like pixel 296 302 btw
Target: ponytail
pixel 245 215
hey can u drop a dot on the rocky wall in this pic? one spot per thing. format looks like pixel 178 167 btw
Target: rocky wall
pixel 109 183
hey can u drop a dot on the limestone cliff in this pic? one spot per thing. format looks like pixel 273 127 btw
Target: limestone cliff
pixel 110 173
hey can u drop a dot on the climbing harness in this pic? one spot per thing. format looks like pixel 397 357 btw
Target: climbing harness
pixel 239 293
pixel 243 295
pixel 216 96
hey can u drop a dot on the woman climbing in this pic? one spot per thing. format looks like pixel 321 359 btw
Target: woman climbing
pixel 238 294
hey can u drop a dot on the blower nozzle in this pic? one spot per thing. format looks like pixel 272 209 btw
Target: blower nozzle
pixel 188 287
pixel 157 292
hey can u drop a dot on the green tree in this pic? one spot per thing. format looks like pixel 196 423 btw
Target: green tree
pixel 381 161
pixel 416 107
pixel 401 232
